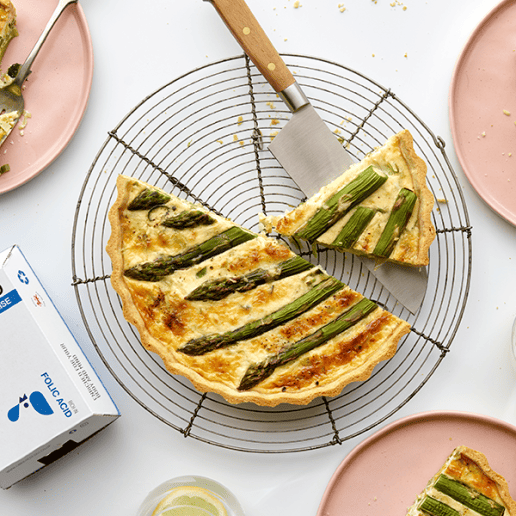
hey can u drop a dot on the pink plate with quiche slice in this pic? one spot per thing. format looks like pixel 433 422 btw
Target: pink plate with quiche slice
pixel 384 474
pixel 56 92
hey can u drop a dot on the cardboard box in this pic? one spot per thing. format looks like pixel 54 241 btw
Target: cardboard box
pixel 52 400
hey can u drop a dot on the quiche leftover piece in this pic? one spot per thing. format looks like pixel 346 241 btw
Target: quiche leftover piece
pixel 465 486
pixel 235 312
pixel 7 25
pixel 379 207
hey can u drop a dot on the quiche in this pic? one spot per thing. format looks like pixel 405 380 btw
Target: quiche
pixel 238 313
pixel 7 25
pixel 465 485
pixel 379 207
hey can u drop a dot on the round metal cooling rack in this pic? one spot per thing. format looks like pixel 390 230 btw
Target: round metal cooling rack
pixel 204 138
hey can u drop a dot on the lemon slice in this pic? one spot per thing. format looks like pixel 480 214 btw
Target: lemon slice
pixel 190 501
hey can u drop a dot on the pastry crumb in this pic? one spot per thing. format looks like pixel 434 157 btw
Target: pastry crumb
pixel 507 113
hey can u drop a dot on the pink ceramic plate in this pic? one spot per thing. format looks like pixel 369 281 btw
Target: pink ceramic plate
pixel 384 474
pixel 56 92
pixel 483 109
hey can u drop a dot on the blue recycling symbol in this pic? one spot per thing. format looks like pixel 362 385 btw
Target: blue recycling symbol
pixel 23 278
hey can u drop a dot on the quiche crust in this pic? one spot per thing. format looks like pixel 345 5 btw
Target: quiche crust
pixel 169 320
pixel 402 169
pixel 469 470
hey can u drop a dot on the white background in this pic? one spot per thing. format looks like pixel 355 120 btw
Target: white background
pixel 140 46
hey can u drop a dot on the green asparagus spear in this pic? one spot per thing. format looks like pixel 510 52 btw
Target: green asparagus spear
pixel 256 373
pixel 354 227
pixel 340 203
pixel 324 289
pixel 189 219
pixel 165 265
pixel 147 199
pixel 398 219
pixel 468 497
pixel 215 290
pixel 434 507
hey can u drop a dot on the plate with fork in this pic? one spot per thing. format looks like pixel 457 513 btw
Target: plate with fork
pixel 56 92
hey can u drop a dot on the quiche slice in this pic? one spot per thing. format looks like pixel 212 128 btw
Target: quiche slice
pixel 465 486
pixel 7 25
pixel 235 312
pixel 380 208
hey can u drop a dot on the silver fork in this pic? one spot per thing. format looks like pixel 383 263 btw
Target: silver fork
pixel 11 96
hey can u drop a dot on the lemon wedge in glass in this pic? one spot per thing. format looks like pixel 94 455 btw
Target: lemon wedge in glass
pixel 190 501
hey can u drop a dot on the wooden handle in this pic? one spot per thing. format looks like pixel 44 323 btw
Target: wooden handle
pixel 247 31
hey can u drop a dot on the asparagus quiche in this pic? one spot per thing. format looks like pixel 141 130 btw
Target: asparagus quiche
pixel 7 25
pixel 465 486
pixel 380 208
pixel 238 313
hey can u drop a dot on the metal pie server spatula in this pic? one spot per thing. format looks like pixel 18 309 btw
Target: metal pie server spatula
pixel 11 96
pixel 306 148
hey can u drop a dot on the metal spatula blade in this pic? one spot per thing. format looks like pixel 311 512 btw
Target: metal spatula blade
pixel 309 151
pixel 406 284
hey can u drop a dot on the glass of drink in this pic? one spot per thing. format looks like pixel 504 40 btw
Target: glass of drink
pixel 190 496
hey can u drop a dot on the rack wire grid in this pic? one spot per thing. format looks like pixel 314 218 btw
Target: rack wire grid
pixel 203 137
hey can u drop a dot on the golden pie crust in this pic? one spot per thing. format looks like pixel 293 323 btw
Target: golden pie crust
pixel 471 468
pixel 398 160
pixel 167 320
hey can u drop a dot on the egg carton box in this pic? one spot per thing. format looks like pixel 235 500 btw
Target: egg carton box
pixel 52 400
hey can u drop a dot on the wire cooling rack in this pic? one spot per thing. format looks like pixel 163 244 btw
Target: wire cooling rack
pixel 203 137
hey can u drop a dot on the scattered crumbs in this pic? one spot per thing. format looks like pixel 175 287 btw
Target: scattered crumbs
pixel 510 154
pixel 220 141
pixel 341 8
pixel 405 54
pixel 273 134
pixel 372 55
pixel 271 105
pixel 507 113
pixel 442 201
pixel 241 143
pixel 274 122
pixel 240 120
pixel 337 131
pixel 484 134
pixel 235 138
pixel 297 4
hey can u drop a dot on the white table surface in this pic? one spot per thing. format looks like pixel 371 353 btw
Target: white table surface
pixel 140 46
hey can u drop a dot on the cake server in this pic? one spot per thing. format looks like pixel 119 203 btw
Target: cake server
pixel 11 96
pixel 306 148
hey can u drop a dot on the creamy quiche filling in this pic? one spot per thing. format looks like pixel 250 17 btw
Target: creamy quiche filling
pixel 465 486
pixel 238 313
pixel 380 207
